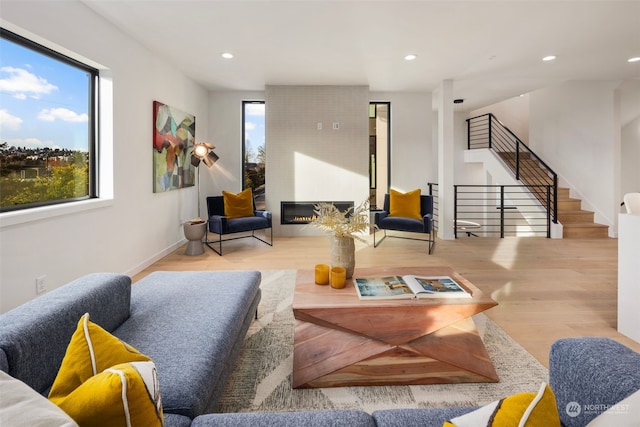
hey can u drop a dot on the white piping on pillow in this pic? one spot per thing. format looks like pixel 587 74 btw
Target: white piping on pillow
pixel 532 405
pixel 87 337
pixel 123 384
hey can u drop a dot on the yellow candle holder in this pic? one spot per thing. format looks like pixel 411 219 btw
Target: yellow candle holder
pixel 338 277
pixel 322 274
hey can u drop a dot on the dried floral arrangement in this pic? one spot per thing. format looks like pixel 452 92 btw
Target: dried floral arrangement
pixel 342 223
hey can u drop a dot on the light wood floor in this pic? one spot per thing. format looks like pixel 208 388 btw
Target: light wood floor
pixel 546 288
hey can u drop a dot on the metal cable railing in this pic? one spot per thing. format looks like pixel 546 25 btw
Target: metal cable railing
pixel 486 131
pixel 497 210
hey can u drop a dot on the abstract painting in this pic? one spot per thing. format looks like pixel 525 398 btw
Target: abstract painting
pixel 173 136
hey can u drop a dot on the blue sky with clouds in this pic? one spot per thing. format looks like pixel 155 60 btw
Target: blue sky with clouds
pixel 43 102
pixel 254 128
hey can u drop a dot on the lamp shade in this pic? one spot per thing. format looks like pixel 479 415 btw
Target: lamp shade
pixel 203 151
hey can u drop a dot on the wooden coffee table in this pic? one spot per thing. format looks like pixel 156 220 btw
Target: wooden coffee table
pixel 341 340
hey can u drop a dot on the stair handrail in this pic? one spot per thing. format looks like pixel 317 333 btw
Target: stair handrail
pixel 495 133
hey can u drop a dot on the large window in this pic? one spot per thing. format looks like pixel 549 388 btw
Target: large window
pixel 253 150
pixel 47 126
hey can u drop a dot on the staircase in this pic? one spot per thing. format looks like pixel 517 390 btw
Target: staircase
pixel 486 131
pixel 577 223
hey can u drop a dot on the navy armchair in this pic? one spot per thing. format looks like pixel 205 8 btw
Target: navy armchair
pixel 221 225
pixel 384 222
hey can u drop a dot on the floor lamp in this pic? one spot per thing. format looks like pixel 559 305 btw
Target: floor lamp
pixel 202 152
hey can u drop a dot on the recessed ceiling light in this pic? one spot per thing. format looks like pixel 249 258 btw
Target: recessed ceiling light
pixel 549 58
pixel 410 57
pixel 634 59
pixel 227 55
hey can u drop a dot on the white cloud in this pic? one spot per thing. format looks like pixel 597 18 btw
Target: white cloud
pixel 249 125
pixel 254 109
pixel 8 121
pixel 53 114
pixel 21 81
pixel 31 143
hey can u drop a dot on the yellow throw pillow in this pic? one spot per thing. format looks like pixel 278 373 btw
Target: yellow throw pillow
pixel 405 205
pixel 92 376
pixel 522 409
pixel 90 351
pixel 126 394
pixel 238 205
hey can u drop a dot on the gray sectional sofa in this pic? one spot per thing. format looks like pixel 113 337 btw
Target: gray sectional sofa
pixel 193 324
pixel 595 373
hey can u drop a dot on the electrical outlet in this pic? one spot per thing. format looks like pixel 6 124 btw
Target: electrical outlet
pixel 336 126
pixel 41 284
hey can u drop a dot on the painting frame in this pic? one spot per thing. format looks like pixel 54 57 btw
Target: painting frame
pixel 173 139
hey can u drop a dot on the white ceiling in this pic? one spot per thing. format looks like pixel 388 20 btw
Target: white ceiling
pixel 491 50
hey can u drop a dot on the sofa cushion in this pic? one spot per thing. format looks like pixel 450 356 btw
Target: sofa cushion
pixel 247 224
pixel 535 409
pixel 191 324
pixel 175 420
pixel 405 205
pixel 238 205
pixel 34 336
pixel 23 406
pixel 414 417
pixel 96 386
pixel 124 394
pixel 590 374
pixel 402 224
pixel 346 418
pixel 90 351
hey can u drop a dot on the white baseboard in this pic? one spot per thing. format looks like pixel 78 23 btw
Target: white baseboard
pixel 158 256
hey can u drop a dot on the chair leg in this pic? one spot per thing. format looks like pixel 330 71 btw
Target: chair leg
pixel 270 243
pixel 375 245
pixel 208 243
pixel 432 241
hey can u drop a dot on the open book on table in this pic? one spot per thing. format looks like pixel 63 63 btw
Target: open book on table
pixel 409 286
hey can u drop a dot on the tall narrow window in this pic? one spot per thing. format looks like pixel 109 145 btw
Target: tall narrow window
pixel 47 123
pixel 379 152
pixel 253 150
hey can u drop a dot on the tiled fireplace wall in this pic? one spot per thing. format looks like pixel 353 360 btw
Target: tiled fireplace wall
pixel 317 147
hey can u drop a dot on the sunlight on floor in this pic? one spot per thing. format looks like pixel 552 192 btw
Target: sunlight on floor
pixel 504 291
pixel 506 253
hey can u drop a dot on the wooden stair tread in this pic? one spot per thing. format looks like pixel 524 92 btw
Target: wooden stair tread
pixel 567 199
pixel 584 224
pixel 584 230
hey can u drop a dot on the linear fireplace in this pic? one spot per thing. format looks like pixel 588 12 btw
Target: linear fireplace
pixel 302 212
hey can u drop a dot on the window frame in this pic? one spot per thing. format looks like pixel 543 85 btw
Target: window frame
pixel 93 122
pixel 244 139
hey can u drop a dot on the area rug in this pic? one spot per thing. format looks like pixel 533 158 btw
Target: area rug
pixel 261 380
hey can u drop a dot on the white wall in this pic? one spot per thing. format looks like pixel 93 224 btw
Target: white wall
pixel 574 127
pixel 413 156
pixel 137 226
pixel 305 163
pixel 513 113
pixel 630 162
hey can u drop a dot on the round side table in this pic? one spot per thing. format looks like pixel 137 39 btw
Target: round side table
pixel 194 232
